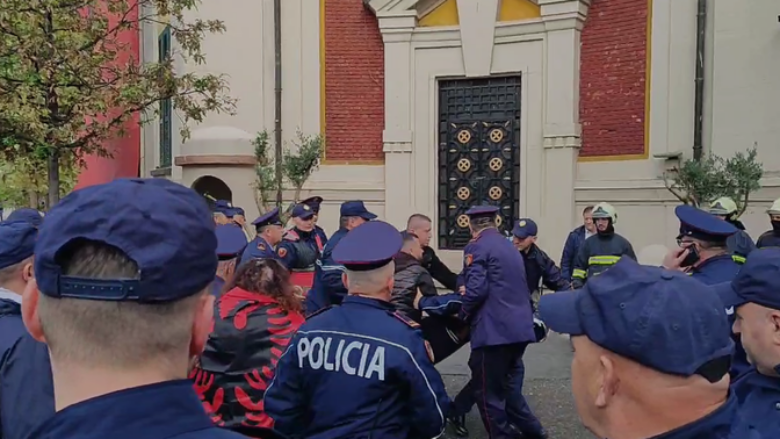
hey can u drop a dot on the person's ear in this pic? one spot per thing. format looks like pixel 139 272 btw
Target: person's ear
pixel 607 381
pixel 203 323
pixel 30 316
pixel 345 280
pixel 774 317
pixel 27 272
pixel 390 283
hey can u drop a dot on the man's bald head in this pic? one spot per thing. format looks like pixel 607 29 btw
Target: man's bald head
pixel 377 282
pixel 420 225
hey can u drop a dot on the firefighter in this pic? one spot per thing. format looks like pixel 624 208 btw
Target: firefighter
pixel 739 244
pixel 603 250
pixel 771 238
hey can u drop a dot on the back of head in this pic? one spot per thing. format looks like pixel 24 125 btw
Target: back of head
pixel 367 253
pixel 122 272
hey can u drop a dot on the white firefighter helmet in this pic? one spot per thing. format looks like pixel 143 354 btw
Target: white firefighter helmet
pixel 775 208
pixel 723 206
pixel 605 210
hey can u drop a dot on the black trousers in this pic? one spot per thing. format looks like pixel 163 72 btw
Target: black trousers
pixel 446 335
pixel 496 386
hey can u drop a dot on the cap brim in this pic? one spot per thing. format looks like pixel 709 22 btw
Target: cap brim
pixel 559 312
pixel 307 216
pixel 728 295
pixel 368 216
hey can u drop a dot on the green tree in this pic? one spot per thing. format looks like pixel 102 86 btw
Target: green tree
pixel 299 161
pixel 698 182
pixel 23 182
pixel 64 85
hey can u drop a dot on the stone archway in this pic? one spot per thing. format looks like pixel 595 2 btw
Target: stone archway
pixel 212 188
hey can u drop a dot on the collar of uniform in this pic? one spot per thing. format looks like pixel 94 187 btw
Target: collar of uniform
pixel 719 421
pixel 716 259
pixel 487 232
pixel 161 410
pixel 755 378
pixel 367 301
pixel 6 294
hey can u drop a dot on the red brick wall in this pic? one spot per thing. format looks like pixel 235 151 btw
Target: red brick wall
pixel 354 83
pixel 612 78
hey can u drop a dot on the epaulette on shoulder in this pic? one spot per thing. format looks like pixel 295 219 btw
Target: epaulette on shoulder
pixel 318 312
pixel 291 235
pixel 409 322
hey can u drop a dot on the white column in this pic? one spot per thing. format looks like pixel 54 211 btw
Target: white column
pixel 397 36
pixel 563 22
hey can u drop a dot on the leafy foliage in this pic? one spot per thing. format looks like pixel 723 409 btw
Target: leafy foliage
pixel 298 163
pixel 697 182
pixel 69 81
pixel 23 182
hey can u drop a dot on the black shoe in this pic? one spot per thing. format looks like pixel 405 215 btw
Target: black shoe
pixel 458 424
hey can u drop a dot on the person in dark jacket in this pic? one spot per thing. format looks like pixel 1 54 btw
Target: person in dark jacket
pixel 739 244
pixel 574 242
pixel 420 225
pixel 539 267
pixel 600 252
pixel 771 238
pixel 445 333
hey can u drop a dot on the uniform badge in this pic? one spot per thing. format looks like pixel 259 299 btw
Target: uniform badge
pixel 306 207
pixel 261 247
pixel 282 252
pixel 429 349
pixel 468 259
pixel 522 223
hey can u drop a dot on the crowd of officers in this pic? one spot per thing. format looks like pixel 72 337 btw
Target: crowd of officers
pixel 105 303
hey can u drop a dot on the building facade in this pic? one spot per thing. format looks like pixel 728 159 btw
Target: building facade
pixel 539 106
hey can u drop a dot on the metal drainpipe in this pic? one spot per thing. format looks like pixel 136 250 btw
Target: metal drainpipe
pixel 278 99
pixel 698 106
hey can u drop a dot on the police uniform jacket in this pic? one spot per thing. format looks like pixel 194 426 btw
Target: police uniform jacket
pixel 320 232
pixel 497 302
pixel 11 324
pixel 597 254
pixel 438 269
pixel 769 239
pixel 251 331
pixel 570 249
pixel 720 424
pixel 299 250
pixel 357 370
pixel 759 403
pixel 158 411
pixel 740 243
pixel 716 270
pixel 26 389
pixel 409 277
pixel 539 267
pixel 258 248
pixel 328 288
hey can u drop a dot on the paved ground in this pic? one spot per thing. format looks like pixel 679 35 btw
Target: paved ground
pixel 547 388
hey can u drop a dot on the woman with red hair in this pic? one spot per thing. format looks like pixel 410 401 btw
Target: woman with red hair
pixel 254 320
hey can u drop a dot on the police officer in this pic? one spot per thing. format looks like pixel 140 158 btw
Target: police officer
pixel 755 296
pixel 740 243
pixel 651 355
pixel 772 237
pixel 497 303
pixel 231 242
pixel 328 288
pixel 539 267
pixel 360 369
pixel 26 214
pixel 301 247
pixel 269 234
pixel 598 253
pixel 122 300
pixel 17 241
pixel 314 203
pixel 703 254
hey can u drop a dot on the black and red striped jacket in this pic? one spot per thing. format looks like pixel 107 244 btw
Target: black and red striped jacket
pixel 250 333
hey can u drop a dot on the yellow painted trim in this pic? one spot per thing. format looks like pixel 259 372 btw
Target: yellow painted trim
pixel 516 10
pixel 353 162
pixel 322 76
pixel 446 14
pixel 648 75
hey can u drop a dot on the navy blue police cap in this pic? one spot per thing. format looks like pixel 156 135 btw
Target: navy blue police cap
pixel 314 203
pixel 239 211
pixel 222 206
pixel 164 227
pixel 303 211
pixel 662 319
pixel 270 218
pixel 758 281
pixel 368 246
pixel 702 225
pixel 27 215
pixel 356 208
pixel 482 211
pixel 230 212
pixel 524 228
pixel 17 242
pixel 231 241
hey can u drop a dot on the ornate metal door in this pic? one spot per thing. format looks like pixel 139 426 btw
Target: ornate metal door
pixel 479 153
